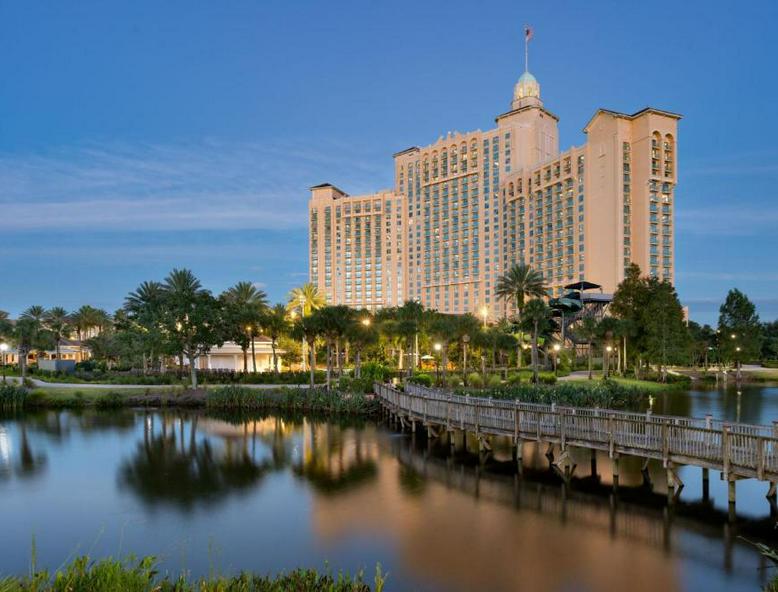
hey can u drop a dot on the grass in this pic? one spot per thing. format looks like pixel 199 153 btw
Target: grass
pixel 649 386
pixel 600 393
pixel 290 399
pixel 132 575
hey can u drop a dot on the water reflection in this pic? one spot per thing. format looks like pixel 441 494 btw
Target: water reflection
pixel 437 516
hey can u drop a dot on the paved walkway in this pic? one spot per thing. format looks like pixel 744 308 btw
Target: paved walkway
pixel 91 385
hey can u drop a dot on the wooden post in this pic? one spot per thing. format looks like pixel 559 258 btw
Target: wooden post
pixel 705 485
pixel 670 483
pixel 725 451
pixel 520 456
pixel 731 498
pixel 615 471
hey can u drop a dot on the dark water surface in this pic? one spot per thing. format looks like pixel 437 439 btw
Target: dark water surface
pixel 271 493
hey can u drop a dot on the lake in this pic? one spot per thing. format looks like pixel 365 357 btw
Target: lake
pixel 269 493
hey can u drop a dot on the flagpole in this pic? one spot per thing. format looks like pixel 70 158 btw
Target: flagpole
pixel 526 49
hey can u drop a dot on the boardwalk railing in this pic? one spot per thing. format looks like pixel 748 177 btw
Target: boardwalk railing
pixel 735 449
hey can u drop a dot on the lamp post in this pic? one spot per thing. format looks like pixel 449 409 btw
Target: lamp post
pixel 3 349
pixel 608 351
pixel 465 341
pixel 437 348
pixel 554 355
pixel 485 314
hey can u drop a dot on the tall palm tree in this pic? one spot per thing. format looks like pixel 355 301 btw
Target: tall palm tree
pixel 589 331
pixel 536 315
pixel 58 322
pixel 84 320
pixel 249 303
pixel 333 322
pixel 34 313
pixel 275 324
pixel 305 299
pixel 519 283
pixel 145 297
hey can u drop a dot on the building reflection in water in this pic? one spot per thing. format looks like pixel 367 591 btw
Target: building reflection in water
pixel 443 516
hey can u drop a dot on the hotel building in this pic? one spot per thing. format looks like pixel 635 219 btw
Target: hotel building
pixel 467 207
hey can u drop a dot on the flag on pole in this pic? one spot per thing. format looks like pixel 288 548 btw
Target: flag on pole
pixel 528 32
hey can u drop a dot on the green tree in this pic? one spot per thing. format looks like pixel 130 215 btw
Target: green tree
pixel 141 315
pixel 333 322
pixel 443 329
pixel 361 334
pixel 57 321
pixel 275 324
pixel 244 307
pixel 667 336
pixel 739 328
pixel 770 341
pixel 589 332
pixel 629 304
pixel 191 317
pixel 303 300
pixel 519 283
pixel 537 316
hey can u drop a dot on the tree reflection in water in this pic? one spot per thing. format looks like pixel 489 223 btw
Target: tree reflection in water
pixel 191 459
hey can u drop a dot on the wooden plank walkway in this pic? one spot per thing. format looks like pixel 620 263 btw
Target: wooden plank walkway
pixel 737 450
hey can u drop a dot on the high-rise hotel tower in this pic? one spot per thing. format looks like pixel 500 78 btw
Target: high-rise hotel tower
pixel 467 207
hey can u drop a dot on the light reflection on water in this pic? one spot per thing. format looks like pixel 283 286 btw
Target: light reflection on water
pixel 272 493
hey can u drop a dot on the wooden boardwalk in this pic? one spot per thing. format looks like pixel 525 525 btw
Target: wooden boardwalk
pixel 736 450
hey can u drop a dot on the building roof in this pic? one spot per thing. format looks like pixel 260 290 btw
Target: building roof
pixel 633 116
pixel 526 108
pixel 406 151
pixel 329 185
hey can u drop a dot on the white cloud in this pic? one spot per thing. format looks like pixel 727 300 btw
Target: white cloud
pixel 210 185
pixel 724 220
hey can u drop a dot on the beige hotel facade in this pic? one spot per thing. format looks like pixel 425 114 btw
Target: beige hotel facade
pixel 467 207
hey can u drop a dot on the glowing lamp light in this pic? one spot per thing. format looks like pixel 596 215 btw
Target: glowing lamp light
pixel 438 347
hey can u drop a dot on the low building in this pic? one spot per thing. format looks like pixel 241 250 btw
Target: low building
pixel 229 356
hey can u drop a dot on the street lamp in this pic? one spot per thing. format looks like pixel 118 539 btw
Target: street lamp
pixel 608 350
pixel 3 349
pixel 366 321
pixel 465 341
pixel 554 355
pixel 485 314
pixel 437 348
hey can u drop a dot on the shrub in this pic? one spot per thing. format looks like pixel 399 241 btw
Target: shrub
pixel 546 378
pixel 514 378
pixel 475 380
pixel 453 380
pixel 12 396
pixel 374 371
pixel 494 381
pixel 422 379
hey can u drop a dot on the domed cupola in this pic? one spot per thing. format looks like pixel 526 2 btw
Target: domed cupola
pixel 526 88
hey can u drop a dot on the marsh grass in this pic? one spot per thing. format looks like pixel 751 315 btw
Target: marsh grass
pixel 289 399
pixel 142 575
pixel 12 397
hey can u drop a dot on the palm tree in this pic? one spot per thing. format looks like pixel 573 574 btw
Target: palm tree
pixel 58 322
pixel 84 320
pixel 443 329
pixel 536 315
pixel 34 313
pixel 144 309
pixel 589 330
pixel 304 300
pixel 248 304
pixel 361 334
pixel 333 322
pixel 519 283
pixel 275 324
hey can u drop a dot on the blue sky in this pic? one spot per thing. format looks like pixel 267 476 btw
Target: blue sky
pixel 140 136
